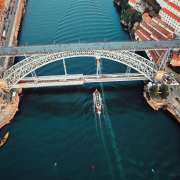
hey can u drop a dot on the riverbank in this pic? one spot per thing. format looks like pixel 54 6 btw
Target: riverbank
pixel 165 105
pixel 9 108
pixel 134 24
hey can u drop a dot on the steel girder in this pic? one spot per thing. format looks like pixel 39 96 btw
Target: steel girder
pixel 144 66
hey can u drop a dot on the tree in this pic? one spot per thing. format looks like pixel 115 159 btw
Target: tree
pixel 159 92
pixel 164 91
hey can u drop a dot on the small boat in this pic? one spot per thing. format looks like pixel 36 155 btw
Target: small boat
pixel 4 139
pixel 97 101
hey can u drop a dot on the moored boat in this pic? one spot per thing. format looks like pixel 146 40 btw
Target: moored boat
pixel 4 139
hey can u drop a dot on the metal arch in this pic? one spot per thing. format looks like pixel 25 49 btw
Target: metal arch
pixel 13 75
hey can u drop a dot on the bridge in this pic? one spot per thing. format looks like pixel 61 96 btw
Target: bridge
pixel 115 46
pixel 114 51
pixel 27 66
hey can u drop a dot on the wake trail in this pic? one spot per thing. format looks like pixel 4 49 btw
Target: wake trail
pixel 100 135
pixel 109 127
pixel 98 119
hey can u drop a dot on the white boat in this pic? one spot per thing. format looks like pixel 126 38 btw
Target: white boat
pixel 97 101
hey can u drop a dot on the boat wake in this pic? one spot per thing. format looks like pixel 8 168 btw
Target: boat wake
pixel 106 132
pixel 100 134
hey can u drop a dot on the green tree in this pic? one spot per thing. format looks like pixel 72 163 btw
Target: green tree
pixel 164 91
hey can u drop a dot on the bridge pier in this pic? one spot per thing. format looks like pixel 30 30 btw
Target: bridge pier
pixel 65 70
pixel 98 66
pixel 34 76
pixel 128 71
pixel 164 60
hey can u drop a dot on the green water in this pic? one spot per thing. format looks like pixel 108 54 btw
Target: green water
pixel 57 135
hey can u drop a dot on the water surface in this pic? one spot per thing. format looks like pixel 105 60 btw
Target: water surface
pixel 57 135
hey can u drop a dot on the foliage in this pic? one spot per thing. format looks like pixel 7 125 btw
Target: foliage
pixel 154 92
pixel 130 16
pixel 164 91
pixel 155 6
pixel 159 92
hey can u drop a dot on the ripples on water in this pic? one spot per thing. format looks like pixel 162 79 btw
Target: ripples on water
pixel 56 134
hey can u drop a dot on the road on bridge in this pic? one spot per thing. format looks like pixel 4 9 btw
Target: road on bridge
pixel 53 48
pixel 76 79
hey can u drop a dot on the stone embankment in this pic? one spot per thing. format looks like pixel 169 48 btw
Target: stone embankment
pixel 171 103
pixel 8 107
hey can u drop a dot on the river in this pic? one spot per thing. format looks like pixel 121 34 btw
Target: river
pixel 57 135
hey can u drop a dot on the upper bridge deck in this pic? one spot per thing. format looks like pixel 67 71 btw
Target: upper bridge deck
pixel 53 48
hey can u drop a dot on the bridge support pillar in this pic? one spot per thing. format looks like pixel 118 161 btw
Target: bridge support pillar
pixel 128 71
pixel 164 60
pixel 64 65
pixel 34 76
pixel 98 66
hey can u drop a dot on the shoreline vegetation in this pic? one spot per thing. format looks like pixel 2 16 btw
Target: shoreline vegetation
pixel 129 16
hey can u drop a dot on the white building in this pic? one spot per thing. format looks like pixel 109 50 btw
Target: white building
pixel 170 13
pixel 137 4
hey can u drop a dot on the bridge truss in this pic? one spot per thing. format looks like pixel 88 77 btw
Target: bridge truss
pixel 17 72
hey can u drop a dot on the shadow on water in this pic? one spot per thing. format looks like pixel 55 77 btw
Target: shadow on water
pixel 108 87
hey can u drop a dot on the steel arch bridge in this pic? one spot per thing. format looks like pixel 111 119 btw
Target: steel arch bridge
pixel 18 71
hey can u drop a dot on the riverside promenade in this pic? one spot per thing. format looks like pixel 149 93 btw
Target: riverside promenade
pixel 9 101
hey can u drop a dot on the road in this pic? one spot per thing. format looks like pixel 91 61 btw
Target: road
pixel 77 79
pixel 115 46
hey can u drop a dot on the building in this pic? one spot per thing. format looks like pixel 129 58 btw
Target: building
pixel 175 60
pixel 2 8
pixel 170 13
pixel 137 4
pixel 154 29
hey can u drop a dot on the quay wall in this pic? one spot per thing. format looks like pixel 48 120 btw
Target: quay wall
pixel 163 104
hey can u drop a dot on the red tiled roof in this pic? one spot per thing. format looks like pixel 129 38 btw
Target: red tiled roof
pixel 175 61
pixel 141 36
pixel 132 1
pixel 144 32
pixel 154 29
pixel 166 33
pixel 2 4
pixel 154 55
pixel 143 24
pixel 163 23
pixel 160 52
pixel 157 36
pixel 173 5
pixel 172 15
pixel 154 33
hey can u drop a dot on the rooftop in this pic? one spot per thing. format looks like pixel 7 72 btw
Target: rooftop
pixel 172 15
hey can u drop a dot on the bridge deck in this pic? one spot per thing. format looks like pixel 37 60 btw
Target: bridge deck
pixel 77 79
pixel 53 48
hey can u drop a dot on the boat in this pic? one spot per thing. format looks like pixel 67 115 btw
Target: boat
pixel 97 101
pixel 4 139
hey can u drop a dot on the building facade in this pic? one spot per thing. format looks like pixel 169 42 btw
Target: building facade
pixel 170 13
